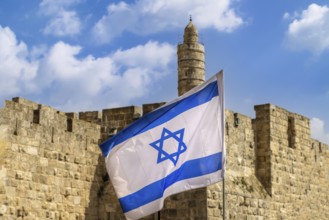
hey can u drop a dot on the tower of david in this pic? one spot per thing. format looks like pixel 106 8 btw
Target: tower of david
pixel 52 168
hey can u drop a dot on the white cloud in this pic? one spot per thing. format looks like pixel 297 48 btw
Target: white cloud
pixel 15 66
pixel 309 29
pixel 151 56
pixel 71 82
pixel 119 17
pixel 318 130
pixel 148 17
pixel 66 81
pixel 50 7
pixel 289 16
pixel 63 22
pixel 115 79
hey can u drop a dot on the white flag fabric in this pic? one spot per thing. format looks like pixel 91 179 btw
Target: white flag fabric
pixel 177 147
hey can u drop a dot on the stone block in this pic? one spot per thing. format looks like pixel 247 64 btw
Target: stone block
pixel 3 210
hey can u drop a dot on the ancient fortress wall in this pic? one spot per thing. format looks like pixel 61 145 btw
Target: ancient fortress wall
pixel 51 166
pixel 274 169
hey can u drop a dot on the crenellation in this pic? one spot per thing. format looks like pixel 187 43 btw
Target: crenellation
pixel 114 120
pixel 25 102
pixel 91 116
pixel 72 115
pixel 150 107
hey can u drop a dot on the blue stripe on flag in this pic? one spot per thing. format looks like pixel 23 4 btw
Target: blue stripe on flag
pixel 160 116
pixel 154 191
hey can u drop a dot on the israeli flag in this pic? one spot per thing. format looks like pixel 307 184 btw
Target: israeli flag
pixel 177 147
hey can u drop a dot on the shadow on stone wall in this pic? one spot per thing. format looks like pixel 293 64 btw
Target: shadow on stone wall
pixel 98 185
pixel 109 206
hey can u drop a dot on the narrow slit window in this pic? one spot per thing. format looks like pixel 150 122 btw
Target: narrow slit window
pixel 36 116
pixel 291 132
pixel 69 125
pixel 52 135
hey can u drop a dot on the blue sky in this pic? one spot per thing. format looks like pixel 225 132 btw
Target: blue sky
pixel 78 55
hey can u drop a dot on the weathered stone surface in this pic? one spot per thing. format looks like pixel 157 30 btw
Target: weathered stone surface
pixel 37 157
pixel 274 169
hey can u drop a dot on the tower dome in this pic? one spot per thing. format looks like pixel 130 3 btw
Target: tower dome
pixel 191 64
pixel 190 33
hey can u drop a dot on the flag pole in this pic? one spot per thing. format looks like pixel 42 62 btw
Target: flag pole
pixel 221 85
pixel 224 198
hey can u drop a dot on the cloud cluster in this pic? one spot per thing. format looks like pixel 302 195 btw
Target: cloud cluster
pixel 86 83
pixel 309 29
pixel 16 70
pixel 153 16
pixel 318 130
pixel 63 22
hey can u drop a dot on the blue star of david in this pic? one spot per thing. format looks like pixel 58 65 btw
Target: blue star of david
pixel 158 145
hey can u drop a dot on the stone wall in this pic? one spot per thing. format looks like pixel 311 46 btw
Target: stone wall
pixel 49 163
pixel 51 166
pixel 274 169
pixel 114 120
pixel 268 174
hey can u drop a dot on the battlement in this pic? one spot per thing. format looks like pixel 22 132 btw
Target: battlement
pixel 282 138
pixel 25 102
pixel 285 128
pixel 274 127
pixel 91 116
pixel 23 112
pixel 24 117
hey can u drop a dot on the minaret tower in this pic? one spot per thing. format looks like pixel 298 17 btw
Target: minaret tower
pixel 191 64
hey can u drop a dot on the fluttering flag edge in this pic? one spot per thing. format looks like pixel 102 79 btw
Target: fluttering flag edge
pixel 126 133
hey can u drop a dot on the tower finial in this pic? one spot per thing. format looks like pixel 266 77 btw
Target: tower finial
pixel 190 17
